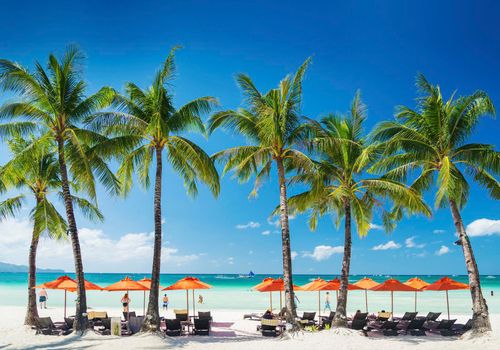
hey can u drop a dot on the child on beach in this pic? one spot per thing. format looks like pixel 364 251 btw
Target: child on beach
pixel 43 296
pixel 165 302
pixel 125 302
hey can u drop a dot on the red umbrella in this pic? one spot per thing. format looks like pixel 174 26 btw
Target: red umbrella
pixel 313 287
pixel 416 283
pixel 392 285
pixel 188 283
pixel 366 283
pixel 264 282
pixel 446 284
pixel 276 285
pixel 146 282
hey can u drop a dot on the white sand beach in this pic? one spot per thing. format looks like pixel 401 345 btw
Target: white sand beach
pixel 230 331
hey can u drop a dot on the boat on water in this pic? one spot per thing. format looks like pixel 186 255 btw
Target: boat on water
pixel 249 275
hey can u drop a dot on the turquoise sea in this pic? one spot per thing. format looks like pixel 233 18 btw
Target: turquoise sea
pixel 233 292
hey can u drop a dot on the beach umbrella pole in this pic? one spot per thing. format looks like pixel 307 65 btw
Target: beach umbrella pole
pixel 281 302
pixel 392 304
pixel 319 304
pixel 366 300
pixel 448 304
pixel 144 304
pixel 415 301
pixel 187 302
pixel 65 292
pixel 194 305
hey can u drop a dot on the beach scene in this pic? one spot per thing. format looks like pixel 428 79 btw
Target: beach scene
pixel 237 175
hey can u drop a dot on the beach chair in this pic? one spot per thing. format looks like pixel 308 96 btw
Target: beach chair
pixel 327 320
pixel 383 316
pixel 268 328
pixel 387 328
pixel 135 323
pixel 205 315
pixel 415 327
pixel 181 315
pixel 359 325
pixel 408 316
pixel 308 319
pixel 105 327
pixel 173 327
pixel 359 320
pixel 45 326
pixel 432 316
pixel 460 329
pixel 443 328
pixel 201 326
pixel 253 316
pixel 69 323
pixel 127 315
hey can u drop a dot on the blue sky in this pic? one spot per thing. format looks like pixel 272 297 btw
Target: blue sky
pixel 373 46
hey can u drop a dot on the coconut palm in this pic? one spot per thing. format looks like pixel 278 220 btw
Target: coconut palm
pixel 52 99
pixel 340 186
pixel 37 172
pixel 431 144
pixel 272 124
pixel 148 124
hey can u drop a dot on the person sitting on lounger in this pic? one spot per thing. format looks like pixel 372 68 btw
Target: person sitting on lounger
pixel 268 315
pixel 125 302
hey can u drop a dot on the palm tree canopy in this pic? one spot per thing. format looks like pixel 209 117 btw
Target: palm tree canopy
pixel 38 172
pixel 433 139
pixel 339 176
pixel 271 122
pixel 147 120
pixel 53 102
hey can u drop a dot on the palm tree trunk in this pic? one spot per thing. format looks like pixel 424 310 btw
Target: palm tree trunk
pixel 152 321
pixel 81 321
pixel 480 316
pixel 340 319
pixel 291 312
pixel 32 311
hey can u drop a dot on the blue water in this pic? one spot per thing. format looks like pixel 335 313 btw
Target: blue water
pixel 230 292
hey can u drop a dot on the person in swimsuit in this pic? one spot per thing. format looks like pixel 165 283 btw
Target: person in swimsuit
pixel 43 296
pixel 327 302
pixel 165 302
pixel 125 302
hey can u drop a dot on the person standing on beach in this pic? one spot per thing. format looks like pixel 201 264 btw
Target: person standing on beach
pixel 125 302
pixel 165 302
pixel 43 296
pixel 327 302
pixel 200 299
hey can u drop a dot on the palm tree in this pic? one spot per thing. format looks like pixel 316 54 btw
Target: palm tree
pixel 53 100
pixel 339 185
pixel 272 123
pixel 38 172
pixel 147 125
pixel 432 140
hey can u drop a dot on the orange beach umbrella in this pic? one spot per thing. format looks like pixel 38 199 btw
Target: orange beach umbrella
pixel 67 284
pixel 335 285
pixel 416 283
pixel 264 282
pixel 188 283
pixel 125 285
pixel 392 285
pixel 366 284
pixel 314 286
pixel 276 285
pixel 446 284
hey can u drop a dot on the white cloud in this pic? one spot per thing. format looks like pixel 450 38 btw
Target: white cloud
pixel 230 260
pixel 250 224
pixel 323 252
pixel 376 227
pixel 387 246
pixel 266 233
pixel 410 243
pixel 483 227
pixel 443 250
pixel 294 254
pixel 276 222
pixel 132 252
pixel 438 232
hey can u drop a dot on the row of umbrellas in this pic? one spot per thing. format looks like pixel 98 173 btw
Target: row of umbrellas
pixel 127 284
pixel 391 285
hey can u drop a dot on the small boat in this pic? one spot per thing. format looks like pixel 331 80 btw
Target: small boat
pixel 249 275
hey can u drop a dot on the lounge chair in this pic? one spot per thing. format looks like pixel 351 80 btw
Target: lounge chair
pixel 201 326
pixel 460 329
pixel 69 322
pixel 359 320
pixel 205 315
pixel 127 315
pixel 174 328
pixel 415 327
pixel 408 316
pixel 383 316
pixel 268 327
pixel 358 325
pixel 135 323
pixel 181 315
pixel 253 316
pixel 327 320
pixel 387 328
pixel 307 319
pixel 432 316
pixel 443 328
pixel 105 327
pixel 44 325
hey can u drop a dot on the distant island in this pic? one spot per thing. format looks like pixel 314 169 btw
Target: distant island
pixel 5 267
